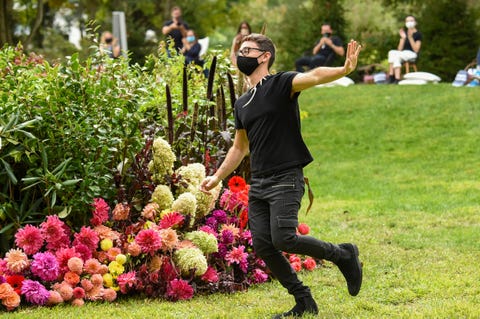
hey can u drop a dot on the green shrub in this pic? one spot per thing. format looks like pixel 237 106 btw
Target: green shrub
pixel 75 131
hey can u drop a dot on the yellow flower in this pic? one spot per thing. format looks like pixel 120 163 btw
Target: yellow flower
pixel 108 280
pixel 115 268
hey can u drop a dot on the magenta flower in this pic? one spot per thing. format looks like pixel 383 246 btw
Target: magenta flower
pixel 208 230
pixel 149 240
pixel 259 276
pixel 237 255
pixel 227 237
pixel 84 251
pixel 88 237
pixel 35 292
pixel 30 239
pixel 220 216
pixel 100 211
pixel 127 281
pixel 179 289
pixel 45 266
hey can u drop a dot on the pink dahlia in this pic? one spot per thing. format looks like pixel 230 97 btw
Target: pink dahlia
pixel 88 237
pixel 55 298
pixel 100 211
pixel 109 294
pixel 63 256
pixel 237 255
pixel 45 266
pixel 35 292
pixel 171 220
pixel 127 281
pixel 208 230
pixel 179 289
pixel 55 232
pixel 30 239
pixel 84 252
pixel 149 240
pixel 92 266
pixel 75 264
pixel 259 276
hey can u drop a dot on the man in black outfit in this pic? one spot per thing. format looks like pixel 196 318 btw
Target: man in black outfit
pixel 323 52
pixel 267 123
pixel 176 28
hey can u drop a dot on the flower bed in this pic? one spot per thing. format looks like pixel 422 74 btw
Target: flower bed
pixel 184 242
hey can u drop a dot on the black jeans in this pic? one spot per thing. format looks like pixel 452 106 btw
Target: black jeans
pixel 274 202
pixel 310 62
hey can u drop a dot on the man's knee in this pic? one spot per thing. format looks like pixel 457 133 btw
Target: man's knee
pixel 285 242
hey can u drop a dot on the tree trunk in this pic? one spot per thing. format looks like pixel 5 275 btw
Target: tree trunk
pixel 6 22
pixel 36 24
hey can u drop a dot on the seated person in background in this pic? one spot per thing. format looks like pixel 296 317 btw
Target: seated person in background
pixel 408 49
pixel 323 52
pixel 109 45
pixel 191 49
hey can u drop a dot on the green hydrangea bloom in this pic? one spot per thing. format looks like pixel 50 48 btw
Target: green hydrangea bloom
pixel 206 242
pixel 191 258
pixel 186 204
pixel 162 195
pixel 205 202
pixel 163 160
pixel 192 174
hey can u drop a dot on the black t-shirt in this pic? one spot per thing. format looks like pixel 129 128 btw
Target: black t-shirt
pixel 176 34
pixel 271 118
pixel 326 50
pixel 417 36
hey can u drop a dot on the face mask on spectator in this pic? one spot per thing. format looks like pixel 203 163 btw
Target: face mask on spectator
pixel 191 38
pixel 244 31
pixel 410 24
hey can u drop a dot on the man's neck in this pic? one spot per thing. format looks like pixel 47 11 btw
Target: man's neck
pixel 256 77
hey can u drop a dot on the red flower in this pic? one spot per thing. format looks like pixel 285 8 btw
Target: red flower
pixel 210 275
pixel 171 220
pixel 297 266
pixel 309 263
pixel 16 281
pixel 294 258
pixel 243 218
pixel 179 289
pixel 237 184
pixel 100 211
pixel 303 228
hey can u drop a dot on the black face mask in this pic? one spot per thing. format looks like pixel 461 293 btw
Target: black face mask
pixel 326 35
pixel 247 65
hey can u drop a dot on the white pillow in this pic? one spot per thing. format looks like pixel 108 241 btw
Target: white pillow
pixel 429 77
pixel 412 82
pixel 345 81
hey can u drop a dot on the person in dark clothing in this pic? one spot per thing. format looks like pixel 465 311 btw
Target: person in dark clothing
pixel 324 51
pixel 176 29
pixel 408 49
pixel 267 123
pixel 191 49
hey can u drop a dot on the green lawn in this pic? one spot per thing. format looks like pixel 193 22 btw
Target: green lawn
pixel 396 170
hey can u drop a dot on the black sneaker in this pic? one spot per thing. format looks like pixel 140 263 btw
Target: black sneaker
pixel 304 305
pixel 351 269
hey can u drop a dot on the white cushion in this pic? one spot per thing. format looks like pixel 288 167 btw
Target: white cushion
pixel 429 77
pixel 413 82
pixel 345 81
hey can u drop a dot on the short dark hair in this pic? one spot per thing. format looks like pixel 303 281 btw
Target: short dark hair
pixel 264 43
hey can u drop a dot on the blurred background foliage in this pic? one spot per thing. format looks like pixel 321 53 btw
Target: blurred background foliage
pixel 450 27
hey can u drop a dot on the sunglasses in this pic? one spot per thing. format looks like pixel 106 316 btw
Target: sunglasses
pixel 246 50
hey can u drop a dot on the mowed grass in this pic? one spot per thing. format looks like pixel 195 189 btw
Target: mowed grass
pixel 397 171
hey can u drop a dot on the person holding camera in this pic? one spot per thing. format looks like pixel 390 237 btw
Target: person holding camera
pixel 324 51
pixel 109 45
pixel 176 29
pixel 408 49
